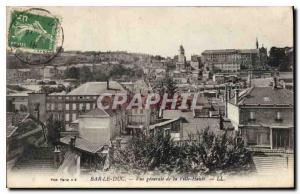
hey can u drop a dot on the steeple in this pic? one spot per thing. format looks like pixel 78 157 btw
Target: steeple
pixel 181 50
pixel 257 43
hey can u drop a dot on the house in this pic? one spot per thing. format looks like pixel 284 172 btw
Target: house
pixel 22 131
pixel 68 107
pixel 195 123
pixel 172 127
pixel 215 125
pixel 101 126
pixel 264 116
pixel 90 148
pixel 138 86
pixel 139 119
pixel 17 102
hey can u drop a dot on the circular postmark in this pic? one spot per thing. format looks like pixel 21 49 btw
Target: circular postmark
pixel 35 36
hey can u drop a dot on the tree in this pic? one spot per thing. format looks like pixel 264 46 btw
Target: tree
pixel 49 89
pixel 204 152
pixel 100 76
pixel 171 87
pixel 85 74
pixel 278 58
pixel 72 73
pixel 52 82
pixel 166 85
pixel 54 127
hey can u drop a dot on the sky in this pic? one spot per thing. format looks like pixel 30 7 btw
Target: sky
pixel 160 30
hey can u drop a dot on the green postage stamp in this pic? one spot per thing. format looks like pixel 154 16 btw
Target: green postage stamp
pixel 32 31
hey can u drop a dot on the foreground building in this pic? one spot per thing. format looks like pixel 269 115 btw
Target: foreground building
pixel 68 107
pixel 264 116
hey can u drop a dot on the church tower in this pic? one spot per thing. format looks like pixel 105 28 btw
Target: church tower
pixel 181 56
pixel 257 45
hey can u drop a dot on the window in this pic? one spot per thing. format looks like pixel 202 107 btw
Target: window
pixel 67 106
pixel 67 117
pixel 36 106
pixel 252 115
pixel 74 106
pixel 48 106
pixel 266 99
pixel 258 137
pixel 73 116
pixel 88 106
pixel 59 106
pixel 53 106
pixel 278 116
pixel 80 106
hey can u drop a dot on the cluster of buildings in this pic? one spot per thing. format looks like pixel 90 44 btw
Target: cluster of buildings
pixel 263 115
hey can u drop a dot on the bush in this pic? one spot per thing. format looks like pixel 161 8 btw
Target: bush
pixel 205 153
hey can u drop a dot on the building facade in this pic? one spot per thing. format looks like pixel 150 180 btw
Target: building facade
pixel 264 116
pixel 234 60
pixel 67 107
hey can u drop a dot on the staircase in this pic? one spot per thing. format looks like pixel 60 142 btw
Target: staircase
pixel 272 164
pixel 36 160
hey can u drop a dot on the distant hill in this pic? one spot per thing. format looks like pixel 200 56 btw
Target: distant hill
pixel 74 57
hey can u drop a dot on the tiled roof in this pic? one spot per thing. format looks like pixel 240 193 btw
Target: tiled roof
pixel 10 130
pixel 261 82
pixel 58 93
pixel 199 124
pixel 97 112
pixel 221 51
pixel 161 124
pixel 97 88
pixel 83 144
pixel 12 121
pixel 19 94
pixel 265 96
pixel 286 75
pixel 172 114
pixel 254 51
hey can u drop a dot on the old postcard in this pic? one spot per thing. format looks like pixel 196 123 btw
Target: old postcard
pixel 150 97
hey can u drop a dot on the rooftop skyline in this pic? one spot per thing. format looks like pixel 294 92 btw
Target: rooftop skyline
pixel 160 30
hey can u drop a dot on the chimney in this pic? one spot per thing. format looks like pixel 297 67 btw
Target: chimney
pixel 236 96
pixel 58 157
pixel 249 78
pixel 274 82
pixel 107 84
pixel 36 112
pixel 228 93
pixel 221 122
pixel 72 142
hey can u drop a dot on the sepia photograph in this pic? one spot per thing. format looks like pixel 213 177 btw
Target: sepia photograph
pixel 150 97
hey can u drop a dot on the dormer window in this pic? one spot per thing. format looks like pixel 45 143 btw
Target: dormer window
pixel 252 116
pixel 266 99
